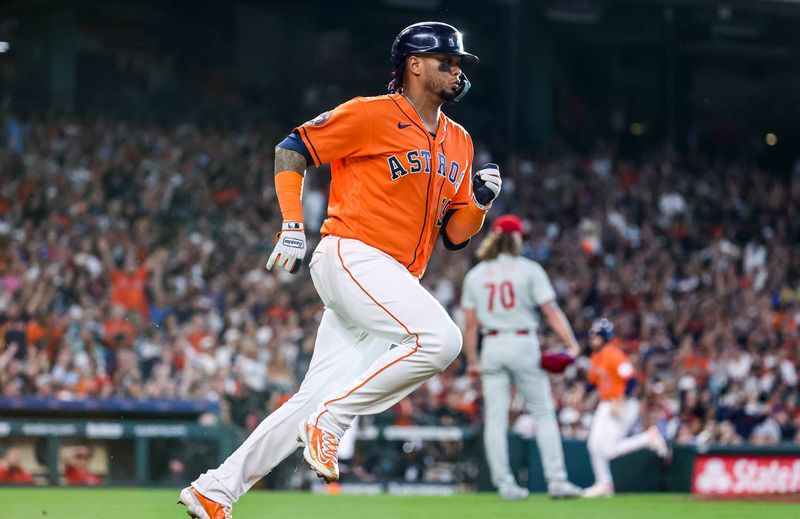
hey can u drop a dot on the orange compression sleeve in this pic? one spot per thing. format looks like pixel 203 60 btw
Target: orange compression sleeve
pixel 464 223
pixel 289 188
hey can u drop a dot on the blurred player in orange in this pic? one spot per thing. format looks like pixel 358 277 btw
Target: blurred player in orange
pixel 401 177
pixel 618 411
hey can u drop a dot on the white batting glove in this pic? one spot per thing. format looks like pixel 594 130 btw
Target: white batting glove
pixel 290 250
pixel 486 185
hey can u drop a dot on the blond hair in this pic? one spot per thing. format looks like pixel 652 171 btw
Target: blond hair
pixel 497 243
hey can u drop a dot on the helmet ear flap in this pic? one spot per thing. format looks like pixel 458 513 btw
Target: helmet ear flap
pixel 463 87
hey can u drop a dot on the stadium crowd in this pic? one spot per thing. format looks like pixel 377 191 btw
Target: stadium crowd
pixel 132 264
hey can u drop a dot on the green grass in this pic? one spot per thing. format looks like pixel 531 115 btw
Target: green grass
pixel 61 503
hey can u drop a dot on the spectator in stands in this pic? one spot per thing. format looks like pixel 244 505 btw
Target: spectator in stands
pixel 131 264
pixel 76 467
pixel 11 469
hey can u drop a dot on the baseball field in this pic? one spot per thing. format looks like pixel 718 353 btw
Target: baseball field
pixel 133 503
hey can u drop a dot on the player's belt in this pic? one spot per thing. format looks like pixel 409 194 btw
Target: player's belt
pixel 491 333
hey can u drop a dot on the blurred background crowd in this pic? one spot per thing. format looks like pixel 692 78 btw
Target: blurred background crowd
pixel 137 207
pixel 131 265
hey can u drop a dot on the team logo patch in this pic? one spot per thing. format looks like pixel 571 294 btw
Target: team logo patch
pixel 320 119
pixel 291 242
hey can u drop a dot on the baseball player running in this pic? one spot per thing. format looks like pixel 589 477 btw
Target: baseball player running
pixel 618 411
pixel 401 175
pixel 501 296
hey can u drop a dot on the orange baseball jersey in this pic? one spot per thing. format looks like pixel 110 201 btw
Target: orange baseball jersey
pixel 610 370
pixel 392 182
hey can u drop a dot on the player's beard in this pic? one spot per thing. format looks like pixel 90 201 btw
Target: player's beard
pixel 448 96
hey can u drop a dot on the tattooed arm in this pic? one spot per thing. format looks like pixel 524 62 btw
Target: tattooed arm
pixel 289 160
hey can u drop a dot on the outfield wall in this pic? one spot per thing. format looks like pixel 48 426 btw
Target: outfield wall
pixel 141 452
pixel 123 452
pixel 719 471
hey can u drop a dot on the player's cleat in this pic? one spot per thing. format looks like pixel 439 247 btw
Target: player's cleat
pixel 513 492
pixel 200 507
pixel 563 490
pixel 320 451
pixel 599 490
pixel 657 442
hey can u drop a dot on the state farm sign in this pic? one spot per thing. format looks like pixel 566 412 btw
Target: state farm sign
pixel 731 475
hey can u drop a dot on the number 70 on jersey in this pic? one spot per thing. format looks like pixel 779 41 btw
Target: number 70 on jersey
pixel 503 291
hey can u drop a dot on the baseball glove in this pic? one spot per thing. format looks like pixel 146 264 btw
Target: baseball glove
pixel 556 362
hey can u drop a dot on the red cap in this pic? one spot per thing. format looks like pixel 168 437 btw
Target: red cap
pixel 507 224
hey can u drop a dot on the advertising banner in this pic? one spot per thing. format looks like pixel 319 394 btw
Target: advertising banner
pixel 733 475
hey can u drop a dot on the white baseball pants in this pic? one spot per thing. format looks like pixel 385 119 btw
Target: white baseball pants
pixel 508 359
pixel 371 303
pixel 607 437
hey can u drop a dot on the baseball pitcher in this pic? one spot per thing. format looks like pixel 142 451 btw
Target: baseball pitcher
pixel 401 176
pixel 503 296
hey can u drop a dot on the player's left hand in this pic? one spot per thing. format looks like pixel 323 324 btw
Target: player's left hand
pixel 486 185
pixel 290 250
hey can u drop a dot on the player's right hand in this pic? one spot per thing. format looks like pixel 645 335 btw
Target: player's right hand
pixel 473 370
pixel 486 185
pixel 290 249
pixel 574 349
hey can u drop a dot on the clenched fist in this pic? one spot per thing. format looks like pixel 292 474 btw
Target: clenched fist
pixel 486 185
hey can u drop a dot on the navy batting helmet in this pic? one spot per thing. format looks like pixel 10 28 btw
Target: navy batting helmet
pixel 602 327
pixel 429 38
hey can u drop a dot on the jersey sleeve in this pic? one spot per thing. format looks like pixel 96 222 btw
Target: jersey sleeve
pixel 342 132
pixel 625 370
pixel 619 364
pixel 468 299
pixel 542 289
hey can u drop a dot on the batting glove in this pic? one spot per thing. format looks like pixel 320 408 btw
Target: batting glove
pixel 486 185
pixel 290 250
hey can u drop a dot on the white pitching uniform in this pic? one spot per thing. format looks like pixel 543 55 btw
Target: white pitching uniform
pixel 505 294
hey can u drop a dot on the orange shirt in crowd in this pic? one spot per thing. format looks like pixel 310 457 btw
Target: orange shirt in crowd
pixel 114 327
pixel 610 370
pixel 196 338
pixel 697 365
pixel 35 332
pixel 128 290
pixel 392 182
